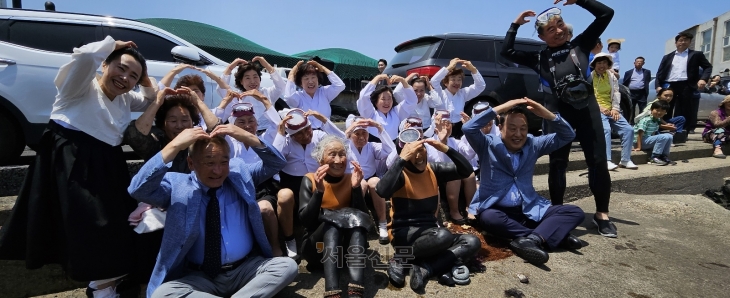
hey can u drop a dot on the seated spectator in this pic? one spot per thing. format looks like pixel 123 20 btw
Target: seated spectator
pixel 717 126
pixel 455 97
pixel 506 204
pixel 428 98
pixel 412 184
pixel 646 136
pixel 442 134
pixel 214 241
pixel 247 78
pixel 194 82
pixel 370 155
pixel 715 86
pixel 606 88
pixel 377 103
pixel 277 206
pixel 675 124
pixel 335 218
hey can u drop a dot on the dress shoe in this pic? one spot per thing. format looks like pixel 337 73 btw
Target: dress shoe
pixel 529 250
pixel 419 278
pixel 571 242
pixel 396 274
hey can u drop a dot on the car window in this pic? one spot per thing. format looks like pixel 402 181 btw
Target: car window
pixel 50 36
pixel 151 46
pixel 414 53
pixel 467 49
pixel 518 46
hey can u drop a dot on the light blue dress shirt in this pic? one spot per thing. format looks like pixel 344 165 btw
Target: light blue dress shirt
pixel 637 80
pixel 236 235
pixel 512 198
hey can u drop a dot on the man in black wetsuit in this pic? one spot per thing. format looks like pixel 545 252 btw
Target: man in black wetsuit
pixel 553 64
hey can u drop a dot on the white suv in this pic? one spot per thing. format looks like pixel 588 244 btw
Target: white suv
pixel 34 45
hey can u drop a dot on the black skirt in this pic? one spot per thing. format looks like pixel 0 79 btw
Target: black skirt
pixel 72 209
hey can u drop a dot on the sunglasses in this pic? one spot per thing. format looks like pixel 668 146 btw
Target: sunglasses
pixel 242 109
pixel 544 17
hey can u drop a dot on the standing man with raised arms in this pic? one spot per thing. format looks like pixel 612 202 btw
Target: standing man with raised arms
pixel 563 65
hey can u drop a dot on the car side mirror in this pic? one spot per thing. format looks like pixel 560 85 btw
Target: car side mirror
pixel 187 55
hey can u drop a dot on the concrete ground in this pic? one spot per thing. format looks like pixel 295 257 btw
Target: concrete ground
pixel 668 246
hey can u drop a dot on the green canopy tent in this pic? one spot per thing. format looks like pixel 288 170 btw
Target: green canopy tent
pixel 221 43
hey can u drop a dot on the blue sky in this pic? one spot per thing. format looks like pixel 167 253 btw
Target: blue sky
pixel 375 27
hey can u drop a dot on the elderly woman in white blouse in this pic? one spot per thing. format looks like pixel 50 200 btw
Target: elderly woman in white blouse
pixel 312 95
pixel 370 155
pixel 246 78
pixel 73 207
pixel 427 96
pixel 377 103
pixel 454 96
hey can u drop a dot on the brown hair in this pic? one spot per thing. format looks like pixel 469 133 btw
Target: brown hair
pixel 191 80
pixel 455 72
pixel 242 69
pixel 199 145
pixel 175 100
pixel 306 69
pixel 376 94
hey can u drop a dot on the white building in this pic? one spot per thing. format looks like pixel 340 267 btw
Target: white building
pixel 713 39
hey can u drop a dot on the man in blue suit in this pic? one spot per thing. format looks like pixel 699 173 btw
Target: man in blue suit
pixel 637 80
pixel 214 241
pixel 507 204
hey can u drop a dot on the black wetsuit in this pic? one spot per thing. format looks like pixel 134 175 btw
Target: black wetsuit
pixel 586 121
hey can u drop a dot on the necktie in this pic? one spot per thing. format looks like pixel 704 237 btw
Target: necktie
pixel 212 251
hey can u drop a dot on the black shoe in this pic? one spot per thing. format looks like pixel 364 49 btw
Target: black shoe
pixel 459 222
pixel 668 161
pixel 419 278
pixel 447 280
pixel 605 227
pixel 571 242
pixel 384 240
pixel 354 290
pixel 529 250
pixel 396 274
pixel 460 275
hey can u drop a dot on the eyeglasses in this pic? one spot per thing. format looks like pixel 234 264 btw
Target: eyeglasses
pixel 544 17
pixel 242 109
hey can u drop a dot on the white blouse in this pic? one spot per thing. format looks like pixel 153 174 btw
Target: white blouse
pixel 454 103
pixel 371 155
pixel 321 100
pixel 392 120
pixel 272 93
pixel 299 160
pixel 82 105
pixel 431 100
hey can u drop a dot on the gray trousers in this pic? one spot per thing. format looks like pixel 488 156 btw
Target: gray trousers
pixel 256 277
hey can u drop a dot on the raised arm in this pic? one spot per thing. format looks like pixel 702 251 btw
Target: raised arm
pixel 458 168
pixel 563 135
pixel 717 122
pixel 211 120
pixel 478 86
pixel 331 91
pixel 603 14
pixel 74 77
pixel 327 125
pixel 408 105
pixel 509 52
pixel 364 105
pixel 166 81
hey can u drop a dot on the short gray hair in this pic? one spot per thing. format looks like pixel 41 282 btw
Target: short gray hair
pixel 570 28
pixel 318 151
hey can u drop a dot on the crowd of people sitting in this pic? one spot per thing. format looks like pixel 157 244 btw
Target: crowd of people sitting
pixel 215 207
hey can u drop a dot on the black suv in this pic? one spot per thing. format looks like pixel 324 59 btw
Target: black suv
pixel 505 80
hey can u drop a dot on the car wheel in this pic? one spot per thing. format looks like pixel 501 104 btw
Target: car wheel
pixel 12 141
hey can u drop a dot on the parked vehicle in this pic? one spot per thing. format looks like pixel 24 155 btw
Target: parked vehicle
pixel 35 44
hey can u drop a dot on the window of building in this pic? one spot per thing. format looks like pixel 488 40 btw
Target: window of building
pixel 726 42
pixel 706 46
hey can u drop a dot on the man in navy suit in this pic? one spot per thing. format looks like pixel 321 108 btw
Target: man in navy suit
pixel 680 70
pixel 637 80
pixel 214 241
pixel 506 204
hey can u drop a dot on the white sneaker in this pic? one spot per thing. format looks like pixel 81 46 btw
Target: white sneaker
pixel 612 166
pixel 628 164
pixel 108 292
pixel 291 248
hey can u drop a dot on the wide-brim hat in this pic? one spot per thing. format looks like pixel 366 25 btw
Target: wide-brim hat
pixel 604 56
pixel 615 40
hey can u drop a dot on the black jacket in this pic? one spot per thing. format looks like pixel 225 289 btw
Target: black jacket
pixel 695 61
pixel 647 78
